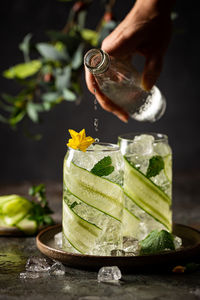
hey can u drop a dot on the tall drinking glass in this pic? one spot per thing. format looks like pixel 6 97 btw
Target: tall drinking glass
pixel 148 180
pixel 93 200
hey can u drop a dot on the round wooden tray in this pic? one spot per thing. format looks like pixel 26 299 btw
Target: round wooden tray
pixel 162 261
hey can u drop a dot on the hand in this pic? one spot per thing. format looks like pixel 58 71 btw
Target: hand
pixel 145 30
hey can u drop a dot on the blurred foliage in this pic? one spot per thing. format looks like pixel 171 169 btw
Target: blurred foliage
pixel 54 75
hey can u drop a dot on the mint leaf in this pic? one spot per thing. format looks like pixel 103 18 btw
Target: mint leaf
pixel 73 204
pixel 40 211
pixel 157 241
pixel 156 164
pixel 103 167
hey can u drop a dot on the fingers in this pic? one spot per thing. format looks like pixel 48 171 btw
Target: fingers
pixel 104 101
pixel 151 72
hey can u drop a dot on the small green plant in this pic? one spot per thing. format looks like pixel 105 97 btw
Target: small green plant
pixel 54 75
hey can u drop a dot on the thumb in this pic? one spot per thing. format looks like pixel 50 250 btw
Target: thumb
pixel 151 72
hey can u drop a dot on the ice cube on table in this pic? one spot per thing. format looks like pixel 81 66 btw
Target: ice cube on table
pixel 37 267
pixel 31 275
pixel 109 274
pixel 91 298
pixel 57 269
pixel 38 264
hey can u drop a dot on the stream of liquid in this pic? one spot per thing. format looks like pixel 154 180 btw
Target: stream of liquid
pixel 96 120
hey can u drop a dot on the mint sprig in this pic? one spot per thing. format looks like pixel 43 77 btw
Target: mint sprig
pixel 157 241
pixel 40 211
pixel 156 164
pixel 103 167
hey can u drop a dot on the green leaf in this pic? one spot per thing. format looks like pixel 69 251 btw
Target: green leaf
pixel 77 59
pixel 90 36
pixel 106 30
pixel 157 241
pixel 17 117
pixel 3 119
pixel 156 164
pixel 39 191
pixel 69 95
pixel 23 70
pixel 103 167
pixel 63 77
pixel 81 18
pixel 48 51
pixel 33 109
pixel 71 40
pixel 51 97
pixel 24 46
pixel 73 204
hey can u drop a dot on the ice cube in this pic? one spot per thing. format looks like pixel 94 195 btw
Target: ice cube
pixel 177 242
pixel 57 269
pixel 90 298
pixel 131 245
pixel 31 275
pixel 162 149
pixel 117 252
pixel 142 145
pixel 109 274
pixel 130 254
pixel 38 264
pixel 58 239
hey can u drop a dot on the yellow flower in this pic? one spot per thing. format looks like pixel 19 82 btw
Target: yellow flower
pixel 79 140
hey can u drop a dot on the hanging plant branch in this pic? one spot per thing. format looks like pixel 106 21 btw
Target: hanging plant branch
pixel 54 76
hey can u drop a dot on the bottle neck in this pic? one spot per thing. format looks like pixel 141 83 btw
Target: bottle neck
pixel 97 61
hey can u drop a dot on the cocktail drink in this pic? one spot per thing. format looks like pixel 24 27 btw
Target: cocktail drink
pixel 115 195
pixel 93 200
pixel 147 181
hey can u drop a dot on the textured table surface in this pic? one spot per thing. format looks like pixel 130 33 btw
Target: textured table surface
pixel 83 285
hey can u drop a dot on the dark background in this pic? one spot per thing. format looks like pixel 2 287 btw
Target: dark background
pixel 22 159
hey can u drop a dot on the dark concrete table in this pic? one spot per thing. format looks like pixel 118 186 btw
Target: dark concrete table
pixel 83 285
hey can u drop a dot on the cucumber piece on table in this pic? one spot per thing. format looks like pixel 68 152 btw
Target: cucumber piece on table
pixel 27 226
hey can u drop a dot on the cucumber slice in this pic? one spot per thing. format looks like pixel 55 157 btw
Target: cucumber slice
pixel 80 233
pixel 147 195
pixel 2 222
pixel 5 199
pixel 13 220
pixel 16 206
pixel 29 227
pixel 130 224
pixel 168 167
pixel 95 191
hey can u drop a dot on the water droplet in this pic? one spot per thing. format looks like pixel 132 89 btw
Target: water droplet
pixel 95 104
pixel 96 123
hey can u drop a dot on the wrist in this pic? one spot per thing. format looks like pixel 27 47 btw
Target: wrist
pixel 153 8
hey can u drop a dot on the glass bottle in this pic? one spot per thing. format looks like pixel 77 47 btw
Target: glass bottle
pixel 121 83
